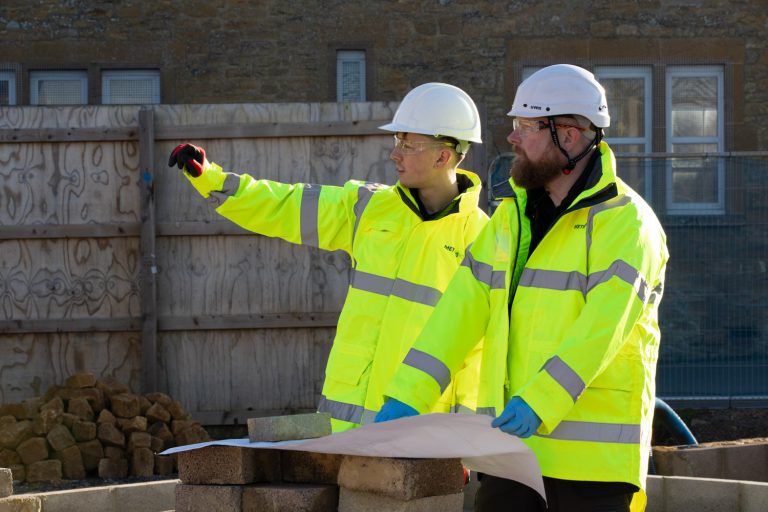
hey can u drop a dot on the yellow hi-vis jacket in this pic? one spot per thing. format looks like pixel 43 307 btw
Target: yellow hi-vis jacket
pixel 401 264
pixel 577 338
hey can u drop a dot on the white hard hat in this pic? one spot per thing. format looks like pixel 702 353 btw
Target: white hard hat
pixel 559 90
pixel 440 110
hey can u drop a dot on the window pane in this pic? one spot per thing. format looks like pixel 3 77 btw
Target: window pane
pixel 630 169
pixel 59 92
pixel 350 81
pixel 694 180
pixel 626 103
pixel 130 87
pixel 5 92
pixel 350 75
pixel 694 106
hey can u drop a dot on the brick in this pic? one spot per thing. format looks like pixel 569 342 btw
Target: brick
pixel 205 498
pixel 135 424
pixel 80 380
pixel 80 408
pixel 8 457
pixel 106 417
pixel 84 430
pixel 60 437
pixel 13 434
pixel 109 435
pixel 159 398
pixel 219 465
pixel 356 501
pixel 72 466
pixel 46 420
pixel 293 497
pixel 125 405
pixel 44 471
pixel 33 450
pixel 309 467
pixel 158 413
pixel 20 504
pixel 402 479
pixel 164 464
pixel 142 462
pixel 92 453
pixel 139 440
pixel 113 468
pixel 284 428
pixel 6 482
pixel 194 434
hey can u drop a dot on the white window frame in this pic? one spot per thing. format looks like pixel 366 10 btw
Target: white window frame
pixel 645 73
pixel 139 74
pixel 678 208
pixel 345 57
pixel 35 77
pixel 10 77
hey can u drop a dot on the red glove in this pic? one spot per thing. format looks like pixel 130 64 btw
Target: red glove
pixel 188 156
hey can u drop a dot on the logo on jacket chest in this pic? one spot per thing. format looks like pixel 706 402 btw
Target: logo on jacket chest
pixel 451 249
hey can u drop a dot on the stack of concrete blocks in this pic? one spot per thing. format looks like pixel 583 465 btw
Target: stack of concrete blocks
pixel 745 459
pixel 236 479
pixel 11 503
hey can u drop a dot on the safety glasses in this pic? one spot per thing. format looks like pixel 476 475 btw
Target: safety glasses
pixel 525 127
pixel 409 147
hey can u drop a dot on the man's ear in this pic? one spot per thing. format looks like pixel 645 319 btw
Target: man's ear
pixel 444 158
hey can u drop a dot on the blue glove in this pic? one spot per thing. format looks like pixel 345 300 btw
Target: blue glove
pixel 517 419
pixel 394 409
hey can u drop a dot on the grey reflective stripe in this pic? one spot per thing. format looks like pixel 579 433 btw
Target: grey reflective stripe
pixel 341 411
pixel 483 272
pixel 461 409
pixel 368 416
pixel 564 375
pixel 624 200
pixel 623 271
pixel 487 411
pixel 364 195
pixel 554 280
pixel 655 294
pixel 228 189
pixel 430 365
pixel 310 201
pixel 595 432
pixel 398 287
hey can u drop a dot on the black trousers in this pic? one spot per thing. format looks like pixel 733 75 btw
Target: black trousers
pixel 502 495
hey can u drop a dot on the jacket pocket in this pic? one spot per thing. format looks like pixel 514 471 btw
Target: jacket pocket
pixel 348 365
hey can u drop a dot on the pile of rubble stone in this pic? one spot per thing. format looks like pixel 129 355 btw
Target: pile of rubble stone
pixel 93 427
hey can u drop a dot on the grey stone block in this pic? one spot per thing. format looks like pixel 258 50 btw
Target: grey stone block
pixel 402 479
pixel 207 498
pixel 6 482
pixel 290 497
pixel 701 495
pixel 228 465
pixel 356 501
pixel 309 467
pixel 754 496
pixel 285 428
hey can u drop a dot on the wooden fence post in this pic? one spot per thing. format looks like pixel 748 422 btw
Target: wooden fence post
pixel 148 257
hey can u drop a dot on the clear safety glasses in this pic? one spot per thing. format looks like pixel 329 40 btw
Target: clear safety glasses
pixel 409 147
pixel 525 127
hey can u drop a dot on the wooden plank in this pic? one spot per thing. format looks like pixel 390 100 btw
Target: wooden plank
pixel 213 228
pixel 71 134
pixel 70 325
pixel 248 321
pixel 31 363
pixel 70 231
pixel 148 262
pixel 270 130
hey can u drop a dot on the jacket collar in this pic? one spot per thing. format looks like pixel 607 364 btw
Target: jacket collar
pixel 467 200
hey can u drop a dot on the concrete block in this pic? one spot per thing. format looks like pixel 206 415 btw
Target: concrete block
pixel 80 380
pixel 142 462
pixel 284 428
pixel 309 467
pixel 220 465
pixel 704 462
pixel 111 469
pixel 33 450
pixel 60 438
pixel 746 462
pixel 77 500
pixel 72 466
pixel 147 496
pixel 356 501
pixel 654 490
pixel 44 471
pixel 125 405
pixel 754 496
pixel 293 497
pixel 20 504
pixel 84 431
pixel 206 498
pixel 6 482
pixel 402 479
pixel 92 453
pixel 700 494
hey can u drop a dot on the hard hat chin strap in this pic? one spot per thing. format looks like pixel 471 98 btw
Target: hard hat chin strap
pixel 572 161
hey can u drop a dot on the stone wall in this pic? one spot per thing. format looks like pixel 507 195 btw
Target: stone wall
pixel 227 51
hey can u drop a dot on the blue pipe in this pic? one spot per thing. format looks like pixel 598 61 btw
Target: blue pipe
pixel 673 422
